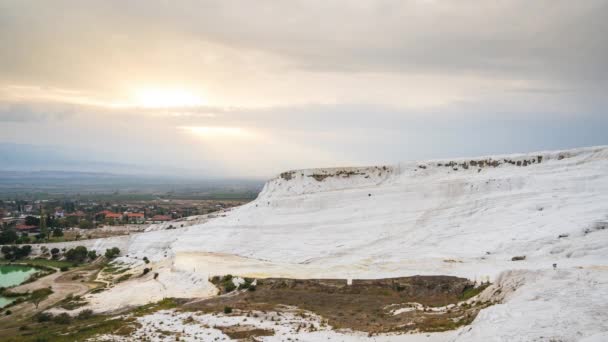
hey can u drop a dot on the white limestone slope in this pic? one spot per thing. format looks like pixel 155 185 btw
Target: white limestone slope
pixel 427 218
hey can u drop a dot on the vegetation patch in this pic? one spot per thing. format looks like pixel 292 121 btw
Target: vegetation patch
pixel 472 291
pixel 224 283
pixel 245 332
pixel 365 305
pixel 72 302
pixel 165 304
pixel 63 328
pixel 123 277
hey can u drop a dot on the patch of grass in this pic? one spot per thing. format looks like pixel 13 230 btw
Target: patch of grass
pixel 40 262
pixel 72 302
pixel 226 284
pixel 86 325
pixel 98 290
pixel 123 278
pixel 115 269
pixel 80 330
pixel 444 324
pixel 471 292
pixel 165 304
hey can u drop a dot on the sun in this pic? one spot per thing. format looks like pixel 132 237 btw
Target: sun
pixel 166 98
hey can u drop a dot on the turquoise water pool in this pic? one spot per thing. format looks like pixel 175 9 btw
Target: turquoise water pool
pixel 11 275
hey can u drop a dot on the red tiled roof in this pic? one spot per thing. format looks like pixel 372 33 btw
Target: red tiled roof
pixel 113 215
pixel 24 227
pixel 161 218
pixel 104 212
pixel 78 214
pixel 135 215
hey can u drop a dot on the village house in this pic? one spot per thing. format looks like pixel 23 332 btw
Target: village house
pixel 79 214
pixel 160 218
pixel 136 218
pixel 24 228
pixel 110 217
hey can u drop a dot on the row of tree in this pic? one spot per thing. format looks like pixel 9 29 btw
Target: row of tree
pixel 8 235
pixel 76 255
pixel 15 252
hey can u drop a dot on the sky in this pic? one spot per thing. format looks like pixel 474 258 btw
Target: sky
pixel 253 88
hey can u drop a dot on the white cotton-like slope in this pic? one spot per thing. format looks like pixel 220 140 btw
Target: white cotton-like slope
pixel 404 219
pixel 428 218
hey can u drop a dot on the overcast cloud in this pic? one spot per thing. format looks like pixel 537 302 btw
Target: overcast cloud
pixel 246 88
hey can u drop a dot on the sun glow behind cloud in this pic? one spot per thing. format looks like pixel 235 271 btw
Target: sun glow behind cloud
pixel 219 132
pixel 166 98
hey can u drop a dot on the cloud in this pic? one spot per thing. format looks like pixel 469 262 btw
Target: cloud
pixel 26 112
pixel 231 48
pixel 308 83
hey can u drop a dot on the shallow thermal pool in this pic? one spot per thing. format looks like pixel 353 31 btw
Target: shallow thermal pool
pixel 11 275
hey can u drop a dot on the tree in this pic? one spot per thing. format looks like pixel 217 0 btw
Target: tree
pixel 43 228
pixel 71 221
pixel 84 224
pixel 51 222
pixel 7 251
pixel 39 295
pixel 57 232
pixel 8 236
pixel 78 254
pixel 23 251
pixel 32 221
pixel 15 252
pixel 112 252
pixel 62 318
pixel 55 253
pixel 92 255
pixel 23 239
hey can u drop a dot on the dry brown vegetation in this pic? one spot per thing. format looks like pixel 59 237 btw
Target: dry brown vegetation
pixel 366 305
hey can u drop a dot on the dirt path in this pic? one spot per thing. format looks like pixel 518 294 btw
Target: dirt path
pixel 75 282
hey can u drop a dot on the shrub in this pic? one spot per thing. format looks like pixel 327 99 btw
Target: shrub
pixel 227 310
pixel 39 295
pixel 85 314
pixel 123 277
pixel 44 317
pixel 62 318
pixel 8 236
pixel 64 268
pixel 78 254
pixel 14 252
pixel 112 252
pixel 251 288
pixel 146 270
pixel 84 224
pixel 92 255
pixel 146 260
pixel 229 286
pixel 8 312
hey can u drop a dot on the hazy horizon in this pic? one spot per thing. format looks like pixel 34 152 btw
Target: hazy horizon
pixel 250 89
